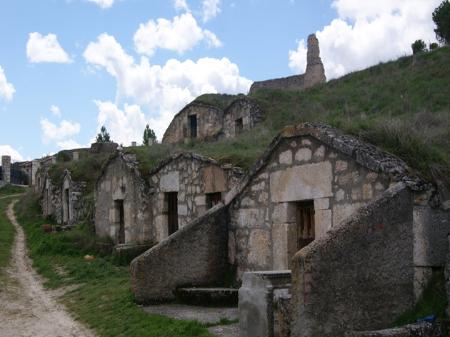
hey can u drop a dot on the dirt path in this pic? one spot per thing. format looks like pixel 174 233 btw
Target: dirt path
pixel 26 309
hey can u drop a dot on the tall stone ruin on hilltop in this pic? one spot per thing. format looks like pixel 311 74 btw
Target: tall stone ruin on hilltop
pixel 315 73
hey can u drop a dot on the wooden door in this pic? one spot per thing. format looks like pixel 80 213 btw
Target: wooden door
pixel 305 223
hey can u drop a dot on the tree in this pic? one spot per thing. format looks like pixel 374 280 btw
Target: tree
pixel 418 47
pixel 441 17
pixel 103 136
pixel 433 46
pixel 149 136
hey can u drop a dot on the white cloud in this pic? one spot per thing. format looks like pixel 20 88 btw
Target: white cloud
pixel 211 8
pixel 8 150
pixel 55 110
pixel 124 126
pixel 58 133
pixel 69 144
pixel 181 5
pixel 104 4
pixel 369 32
pixel 45 49
pixel 165 89
pixel 180 35
pixel 7 90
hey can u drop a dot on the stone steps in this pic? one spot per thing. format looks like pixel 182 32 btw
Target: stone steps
pixel 208 296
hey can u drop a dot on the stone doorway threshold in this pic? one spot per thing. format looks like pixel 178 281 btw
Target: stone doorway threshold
pixel 204 315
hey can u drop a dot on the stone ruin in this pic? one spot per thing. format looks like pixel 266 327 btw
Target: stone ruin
pixel 200 121
pixel 315 73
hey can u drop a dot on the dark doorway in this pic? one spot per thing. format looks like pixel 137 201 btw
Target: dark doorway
pixel 67 207
pixel 172 209
pixel 212 199
pixel 121 220
pixel 238 125
pixel 305 223
pixel 193 125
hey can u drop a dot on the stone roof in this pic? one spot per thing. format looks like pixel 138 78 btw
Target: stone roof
pixel 194 156
pixel 362 152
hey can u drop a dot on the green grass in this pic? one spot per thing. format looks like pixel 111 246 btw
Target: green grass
pixel 103 298
pixel 7 230
pixel 10 189
pixel 432 302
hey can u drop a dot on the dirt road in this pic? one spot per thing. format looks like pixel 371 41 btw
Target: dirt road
pixel 26 309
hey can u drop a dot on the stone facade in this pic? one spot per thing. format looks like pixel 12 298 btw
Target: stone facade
pixel 206 122
pixel 196 121
pixel 243 114
pixel 195 180
pixel 263 228
pixel 315 73
pixel 123 209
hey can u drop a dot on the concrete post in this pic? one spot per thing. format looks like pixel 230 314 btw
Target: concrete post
pixel 6 169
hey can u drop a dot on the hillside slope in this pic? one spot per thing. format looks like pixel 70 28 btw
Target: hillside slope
pixel 402 106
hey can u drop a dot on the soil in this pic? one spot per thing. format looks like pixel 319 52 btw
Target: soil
pixel 26 308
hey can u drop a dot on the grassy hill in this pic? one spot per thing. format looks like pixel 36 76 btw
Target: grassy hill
pixel 402 106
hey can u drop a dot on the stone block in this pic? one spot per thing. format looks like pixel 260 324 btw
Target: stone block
pixel 341 166
pixel 320 152
pixel 200 200
pixel 283 213
pixel 214 179
pixel 259 248
pixel 303 155
pixel 285 157
pixel 284 245
pixel 182 210
pixel 367 192
pixel 323 203
pixel 343 211
pixel 322 219
pixel 170 182
pixel 305 182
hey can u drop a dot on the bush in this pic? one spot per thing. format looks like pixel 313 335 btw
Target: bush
pixel 418 47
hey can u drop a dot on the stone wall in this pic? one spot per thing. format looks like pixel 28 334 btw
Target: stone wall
pixel 209 123
pixel 121 184
pixel 360 275
pixel 193 178
pixel 243 114
pixel 196 255
pixel 6 169
pixel 73 205
pixel 51 199
pixel 314 74
pixel 412 330
pixel 263 216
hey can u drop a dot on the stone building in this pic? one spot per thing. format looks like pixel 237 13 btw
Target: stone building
pixel 185 186
pixel 122 203
pixel 207 122
pixel 315 73
pixel 314 193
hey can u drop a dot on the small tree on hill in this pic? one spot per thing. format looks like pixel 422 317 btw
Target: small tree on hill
pixel 441 17
pixel 103 136
pixel 418 47
pixel 149 136
pixel 433 46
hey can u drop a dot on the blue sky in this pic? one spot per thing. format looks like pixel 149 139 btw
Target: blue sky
pixel 69 66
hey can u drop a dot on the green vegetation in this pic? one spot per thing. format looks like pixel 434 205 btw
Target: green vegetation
pixel 441 17
pixel 86 169
pixel 103 136
pixel 432 302
pixel 6 234
pixel 221 101
pixel 418 46
pixel 10 189
pixel 149 136
pixel 102 297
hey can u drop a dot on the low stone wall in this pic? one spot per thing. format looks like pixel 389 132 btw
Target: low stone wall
pixel 195 255
pixel 360 275
pixel 412 330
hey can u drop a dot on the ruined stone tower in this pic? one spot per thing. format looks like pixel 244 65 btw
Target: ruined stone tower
pixel 315 73
pixel 6 169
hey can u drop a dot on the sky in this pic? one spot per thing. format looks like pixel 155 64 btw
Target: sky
pixel 68 67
